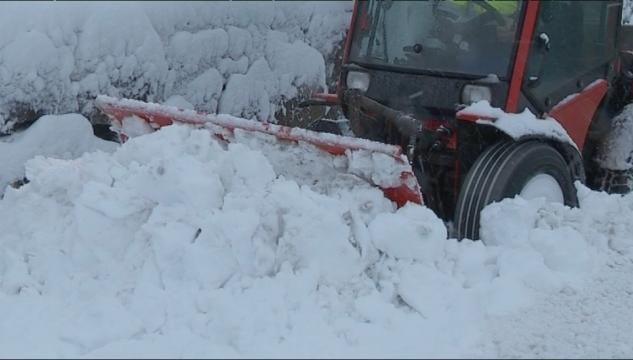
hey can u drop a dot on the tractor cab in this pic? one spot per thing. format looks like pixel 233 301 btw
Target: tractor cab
pixel 410 67
pixel 462 39
pixel 432 55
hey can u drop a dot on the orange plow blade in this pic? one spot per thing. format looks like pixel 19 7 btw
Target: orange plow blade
pixel 401 187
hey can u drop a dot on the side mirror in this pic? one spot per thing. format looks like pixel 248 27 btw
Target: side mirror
pixel 544 45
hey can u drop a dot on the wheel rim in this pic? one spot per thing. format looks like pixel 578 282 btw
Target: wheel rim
pixel 543 186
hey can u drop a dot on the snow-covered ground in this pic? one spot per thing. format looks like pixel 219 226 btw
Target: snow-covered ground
pixel 177 245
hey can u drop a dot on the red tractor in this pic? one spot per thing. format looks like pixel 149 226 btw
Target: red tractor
pixel 486 99
pixel 411 67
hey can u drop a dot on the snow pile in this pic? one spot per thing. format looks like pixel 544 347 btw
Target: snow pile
pixel 242 58
pixel 591 321
pixel 178 245
pixel 60 136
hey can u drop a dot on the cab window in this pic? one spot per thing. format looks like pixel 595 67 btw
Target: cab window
pixel 573 41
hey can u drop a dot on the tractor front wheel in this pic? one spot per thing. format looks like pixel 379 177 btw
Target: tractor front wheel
pixel 530 169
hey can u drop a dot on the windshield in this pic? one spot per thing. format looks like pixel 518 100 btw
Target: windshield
pixel 449 36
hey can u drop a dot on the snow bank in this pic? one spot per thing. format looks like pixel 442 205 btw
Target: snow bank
pixel 178 245
pixel 55 57
pixel 60 136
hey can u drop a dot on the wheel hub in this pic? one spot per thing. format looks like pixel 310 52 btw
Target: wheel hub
pixel 543 186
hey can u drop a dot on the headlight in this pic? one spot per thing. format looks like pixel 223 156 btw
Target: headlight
pixel 358 80
pixel 474 93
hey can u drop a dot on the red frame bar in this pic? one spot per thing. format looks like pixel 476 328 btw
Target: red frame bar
pixel 576 111
pixel 531 13
pixel 348 44
pixel 326 98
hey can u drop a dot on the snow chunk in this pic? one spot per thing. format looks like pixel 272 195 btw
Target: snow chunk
pixel 204 91
pixel 64 136
pixel 240 42
pixel 189 52
pixel 413 232
pixel 102 53
pixel 294 64
pixel 178 102
pixel 35 71
pixel 248 95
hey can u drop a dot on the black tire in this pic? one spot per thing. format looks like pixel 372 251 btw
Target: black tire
pixel 501 172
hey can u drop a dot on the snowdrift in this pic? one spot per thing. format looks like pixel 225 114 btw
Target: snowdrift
pixel 173 245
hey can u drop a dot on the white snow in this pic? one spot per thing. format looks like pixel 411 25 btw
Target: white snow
pixel 520 125
pixel 178 245
pixel 60 136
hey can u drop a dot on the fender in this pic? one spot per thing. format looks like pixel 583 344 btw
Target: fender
pixel 576 111
pixel 526 126
pixel 516 126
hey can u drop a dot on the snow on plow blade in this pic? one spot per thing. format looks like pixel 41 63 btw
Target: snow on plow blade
pixel 394 175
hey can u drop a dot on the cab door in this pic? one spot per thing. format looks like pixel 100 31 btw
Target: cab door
pixel 573 45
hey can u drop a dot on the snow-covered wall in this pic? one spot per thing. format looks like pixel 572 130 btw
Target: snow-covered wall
pixel 242 58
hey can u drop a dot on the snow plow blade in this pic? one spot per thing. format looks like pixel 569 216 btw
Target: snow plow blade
pixel 401 188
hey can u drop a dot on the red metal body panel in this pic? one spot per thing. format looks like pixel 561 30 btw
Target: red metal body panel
pixel 405 192
pixel 576 112
pixel 472 117
pixel 326 98
pixel 350 32
pixel 523 50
